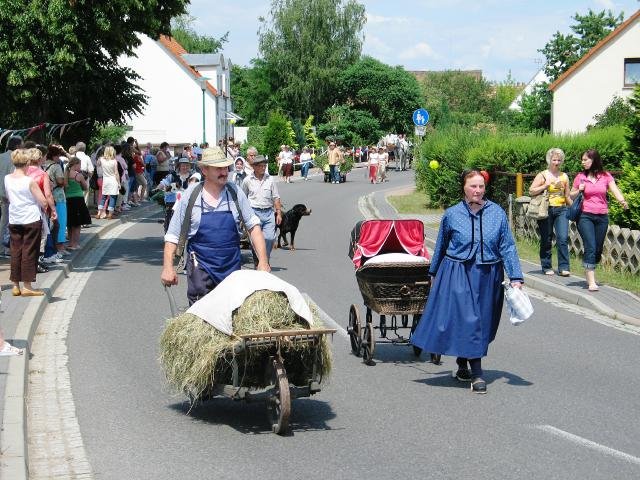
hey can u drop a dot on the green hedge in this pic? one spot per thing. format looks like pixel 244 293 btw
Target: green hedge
pixel 457 148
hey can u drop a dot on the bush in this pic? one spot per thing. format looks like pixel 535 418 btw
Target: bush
pixel 107 133
pixel 255 138
pixel 629 184
pixel 456 149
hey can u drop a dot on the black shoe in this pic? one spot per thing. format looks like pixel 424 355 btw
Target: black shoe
pixel 42 268
pixel 478 385
pixel 463 374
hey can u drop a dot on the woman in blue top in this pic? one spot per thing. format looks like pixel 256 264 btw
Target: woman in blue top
pixel 465 303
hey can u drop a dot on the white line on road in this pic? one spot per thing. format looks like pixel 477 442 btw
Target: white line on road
pixel 588 443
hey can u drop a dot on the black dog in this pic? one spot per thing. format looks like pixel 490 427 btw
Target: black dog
pixel 290 221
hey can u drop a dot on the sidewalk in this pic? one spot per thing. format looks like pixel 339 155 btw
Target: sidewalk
pixel 612 302
pixel 19 318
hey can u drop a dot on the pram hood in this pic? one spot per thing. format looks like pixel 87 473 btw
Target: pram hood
pixel 374 237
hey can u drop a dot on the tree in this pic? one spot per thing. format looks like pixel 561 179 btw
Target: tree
pixel 389 94
pixel 536 109
pixel 305 45
pixel 277 133
pixel 350 126
pixel 629 181
pixel 57 56
pixel 562 51
pixel 618 112
pixel 253 94
pixel 182 30
pixel 311 139
pixel 456 92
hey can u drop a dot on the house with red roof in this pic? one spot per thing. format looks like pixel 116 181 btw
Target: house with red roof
pixel 188 95
pixel 610 69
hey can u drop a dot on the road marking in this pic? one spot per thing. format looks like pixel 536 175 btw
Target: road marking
pixel 584 312
pixel 588 443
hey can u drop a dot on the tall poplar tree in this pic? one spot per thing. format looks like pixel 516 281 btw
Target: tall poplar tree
pixel 305 44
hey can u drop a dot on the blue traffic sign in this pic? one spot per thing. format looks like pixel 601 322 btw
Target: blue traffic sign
pixel 420 117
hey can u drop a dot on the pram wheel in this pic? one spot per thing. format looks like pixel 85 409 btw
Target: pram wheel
pixel 414 323
pixel 383 326
pixel 355 329
pixel 405 320
pixel 368 344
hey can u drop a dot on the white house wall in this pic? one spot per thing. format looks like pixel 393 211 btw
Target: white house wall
pixel 591 88
pixel 174 109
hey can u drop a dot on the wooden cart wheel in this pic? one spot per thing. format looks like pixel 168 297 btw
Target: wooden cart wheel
pixel 279 403
pixel 368 344
pixel 355 331
pixel 383 326
pixel 405 320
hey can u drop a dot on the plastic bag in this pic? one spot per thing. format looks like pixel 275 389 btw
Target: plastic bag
pixel 518 303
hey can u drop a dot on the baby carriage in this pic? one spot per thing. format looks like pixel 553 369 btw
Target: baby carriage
pixel 392 270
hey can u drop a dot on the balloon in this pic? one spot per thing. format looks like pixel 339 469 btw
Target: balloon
pixel 433 164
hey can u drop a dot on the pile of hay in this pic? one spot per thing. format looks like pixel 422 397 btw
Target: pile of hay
pixel 194 355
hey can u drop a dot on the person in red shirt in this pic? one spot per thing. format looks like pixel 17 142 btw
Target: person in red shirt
pixel 141 192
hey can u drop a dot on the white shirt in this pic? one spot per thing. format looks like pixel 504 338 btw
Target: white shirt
pixel 373 158
pixel 23 207
pixel 305 157
pixel 286 157
pixel 85 162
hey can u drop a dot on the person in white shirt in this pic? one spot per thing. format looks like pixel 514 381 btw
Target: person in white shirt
pixel 305 160
pixel 86 168
pixel 383 161
pixel 372 164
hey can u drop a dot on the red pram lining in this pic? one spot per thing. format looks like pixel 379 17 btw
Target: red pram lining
pixel 389 236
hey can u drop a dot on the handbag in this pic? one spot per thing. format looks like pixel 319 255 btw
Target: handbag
pixel 93 181
pixel 574 211
pixel 539 207
pixel 518 303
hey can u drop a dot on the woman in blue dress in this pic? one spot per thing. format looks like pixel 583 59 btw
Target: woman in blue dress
pixel 463 310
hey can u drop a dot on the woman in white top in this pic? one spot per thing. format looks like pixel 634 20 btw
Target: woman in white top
pixel 372 163
pixel 383 160
pixel 110 183
pixel 305 160
pixel 25 224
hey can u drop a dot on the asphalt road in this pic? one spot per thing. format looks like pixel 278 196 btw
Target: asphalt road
pixel 562 402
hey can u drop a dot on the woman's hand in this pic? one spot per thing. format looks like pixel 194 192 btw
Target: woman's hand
pixel 516 284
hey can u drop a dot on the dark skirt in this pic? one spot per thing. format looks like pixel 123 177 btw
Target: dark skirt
pixel 463 311
pixel 287 169
pixel 77 212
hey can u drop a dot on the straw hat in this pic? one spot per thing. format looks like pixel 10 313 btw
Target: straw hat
pixel 214 157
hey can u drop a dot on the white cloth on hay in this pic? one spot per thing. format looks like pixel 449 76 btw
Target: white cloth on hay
pixel 218 305
pixel 395 258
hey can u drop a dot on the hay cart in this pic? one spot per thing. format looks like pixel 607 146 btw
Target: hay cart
pixel 392 271
pixel 271 385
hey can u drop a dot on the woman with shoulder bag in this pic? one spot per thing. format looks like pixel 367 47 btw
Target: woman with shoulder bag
pixel 556 185
pixel 594 183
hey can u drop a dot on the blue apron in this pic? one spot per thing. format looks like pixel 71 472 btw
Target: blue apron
pixel 216 244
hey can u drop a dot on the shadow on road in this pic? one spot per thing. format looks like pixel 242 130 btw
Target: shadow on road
pixel 251 418
pixel 445 379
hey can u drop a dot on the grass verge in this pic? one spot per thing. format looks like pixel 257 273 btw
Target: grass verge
pixel 415 202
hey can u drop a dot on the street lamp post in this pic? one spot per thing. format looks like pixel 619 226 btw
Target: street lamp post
pixel 203 85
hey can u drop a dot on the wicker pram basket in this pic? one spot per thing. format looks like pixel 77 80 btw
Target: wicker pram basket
pixel 394 288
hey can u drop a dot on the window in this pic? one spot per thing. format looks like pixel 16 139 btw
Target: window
pixel 631 71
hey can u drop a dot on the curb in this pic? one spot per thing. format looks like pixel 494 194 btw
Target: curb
pixel 369 210
pixel 14 461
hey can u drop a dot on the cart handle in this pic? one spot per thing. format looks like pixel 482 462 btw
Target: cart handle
pixel 289 333
pixel 172 300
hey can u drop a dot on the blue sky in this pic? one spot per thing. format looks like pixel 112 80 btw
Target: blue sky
pixel 496 36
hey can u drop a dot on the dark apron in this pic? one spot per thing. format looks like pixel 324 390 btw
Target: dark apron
pixel 214 252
